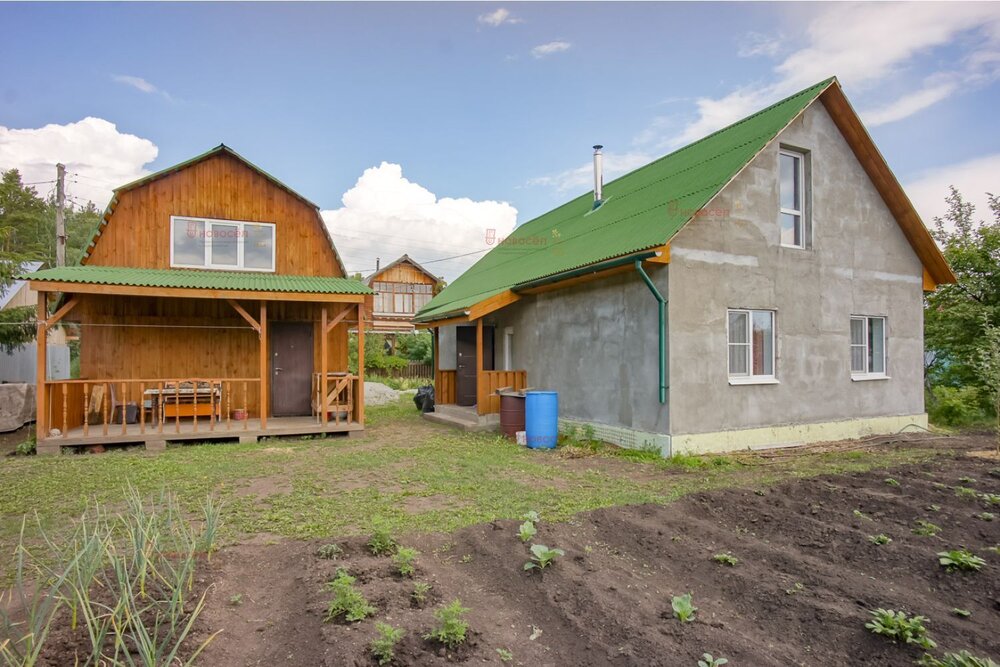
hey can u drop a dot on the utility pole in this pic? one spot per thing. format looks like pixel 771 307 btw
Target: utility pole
pixel 60 215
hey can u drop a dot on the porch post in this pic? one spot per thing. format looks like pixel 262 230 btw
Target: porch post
pixel 41 372
pixel 323 354
pixel 435 353
pixel 265 373
pixel 480 398
pixel 361 363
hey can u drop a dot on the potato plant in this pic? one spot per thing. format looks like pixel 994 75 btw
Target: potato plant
pixel 897 626
pixel 726 559
pixel 451 625
pixel 683 607
pixel 542 556
pixel 960 559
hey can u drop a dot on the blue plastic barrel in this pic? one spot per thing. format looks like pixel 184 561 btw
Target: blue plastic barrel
pixel 541 419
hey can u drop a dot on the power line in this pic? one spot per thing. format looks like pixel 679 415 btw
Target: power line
pixel 38 182
pixel 431 261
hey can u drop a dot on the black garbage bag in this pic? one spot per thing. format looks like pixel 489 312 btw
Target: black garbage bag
pixel 424 398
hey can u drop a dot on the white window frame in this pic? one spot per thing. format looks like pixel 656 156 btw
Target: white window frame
pixel 208 223
pixel 749 377
pixel 800 177
pixel 867 374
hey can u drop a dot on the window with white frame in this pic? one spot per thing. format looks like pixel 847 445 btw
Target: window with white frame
pixel 508 349
pixel 202 243
pixel 751 345
pixel 868 354
pixel 792 218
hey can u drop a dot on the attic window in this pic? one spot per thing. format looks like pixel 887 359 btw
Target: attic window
pixel 792 182
pixel 203 243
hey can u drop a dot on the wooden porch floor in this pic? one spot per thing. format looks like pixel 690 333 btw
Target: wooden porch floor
pixel 154 440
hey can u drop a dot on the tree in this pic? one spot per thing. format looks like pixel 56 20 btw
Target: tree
pixel 956 316
pixel 987 365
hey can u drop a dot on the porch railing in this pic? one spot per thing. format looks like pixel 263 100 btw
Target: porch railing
pixel 491 381
pixel 111 407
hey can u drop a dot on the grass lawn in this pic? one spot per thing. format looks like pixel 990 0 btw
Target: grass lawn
pixel 415 475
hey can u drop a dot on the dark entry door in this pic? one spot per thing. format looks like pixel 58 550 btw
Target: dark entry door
pixel 291 368
pixel 465 375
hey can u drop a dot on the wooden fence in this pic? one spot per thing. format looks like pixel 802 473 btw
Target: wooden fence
pixel 415 369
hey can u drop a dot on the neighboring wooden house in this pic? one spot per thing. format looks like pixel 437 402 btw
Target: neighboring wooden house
pixel 212 304
pixel 761 286
pixel 401 289
pixel 18 365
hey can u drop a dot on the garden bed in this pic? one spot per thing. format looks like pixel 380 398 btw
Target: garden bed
pixel 806 576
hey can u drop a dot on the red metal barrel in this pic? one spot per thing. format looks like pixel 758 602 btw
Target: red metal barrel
pixel 511 413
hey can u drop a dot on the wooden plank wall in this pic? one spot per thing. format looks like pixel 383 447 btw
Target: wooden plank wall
pixel 221 187
pixel 490 381
pixel 175 338
pixel 403 273
pixel 444 388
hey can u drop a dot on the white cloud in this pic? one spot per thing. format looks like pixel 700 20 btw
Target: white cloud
pixel 582 177
pixel 141 85
pixel 755 44
pixel 498 18
pixel 547 49
pixel 385 215
pixel 867 45
pixel 98 157
pixel 973 178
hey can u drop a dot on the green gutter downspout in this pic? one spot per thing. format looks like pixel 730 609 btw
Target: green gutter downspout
pixel 662 310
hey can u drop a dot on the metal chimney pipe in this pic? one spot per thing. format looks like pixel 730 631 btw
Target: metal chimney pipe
pixel 598 174
pixel 378 263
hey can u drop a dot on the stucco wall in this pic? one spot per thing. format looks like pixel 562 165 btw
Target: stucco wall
pixel 859 264
pixel 596 345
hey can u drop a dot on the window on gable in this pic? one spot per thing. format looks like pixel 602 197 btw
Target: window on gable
pixel 792 218
pixel 751 345
pixel 868 353
pixel 201 243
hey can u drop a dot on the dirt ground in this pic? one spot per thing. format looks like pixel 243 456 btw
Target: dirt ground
pixel 799 595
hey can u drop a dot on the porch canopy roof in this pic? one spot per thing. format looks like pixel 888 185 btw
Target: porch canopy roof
pixel 189 283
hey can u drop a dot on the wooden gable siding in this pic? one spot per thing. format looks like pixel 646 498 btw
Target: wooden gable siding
pixel 403 273
pixel 220 187
pixel 146 338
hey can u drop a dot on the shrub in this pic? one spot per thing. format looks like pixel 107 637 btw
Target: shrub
pixel 451 625
pixel 384 645
pixel 897 626
pixel 960 559
pixel 381 542
pixel 683 608
pixel 347 600
pixel 542 557
pixel 957 406
pixel 329 551
pixel 726 559
pixel 405 560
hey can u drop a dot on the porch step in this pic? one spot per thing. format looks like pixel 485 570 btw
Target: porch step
pixel 463 418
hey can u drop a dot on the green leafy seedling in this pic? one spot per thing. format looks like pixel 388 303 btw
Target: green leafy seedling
pixel 532 516
pixel 527 531
pixel 966 492
pixel 926 528
pixel 708 661
pixel 683 608
pixel 542 557
pixel 347 600
pixel 384 645
pixel 858 514
pixel 960 659
pixel 505 655
pixel 962 613
pixel 891 482
pixel 405 561
pixel 990 498
pixel 420 591
pixel 986 516
pixel 879 539
pixel 726 559
pixel 897 626
pixel 236 600
pixel 933 508
pixel 381 541
pixel 960 559
pixel 329 551
pixel 966 480
pixel 451 625
pixel 796 588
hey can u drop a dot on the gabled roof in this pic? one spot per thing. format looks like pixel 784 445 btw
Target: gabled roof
pixel 404 259
pixel 7 293
pixel 645 208
pixel 221 149
pixel 195 279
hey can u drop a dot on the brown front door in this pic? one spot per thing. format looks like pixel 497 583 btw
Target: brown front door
pixel 465 375
pixel 291 368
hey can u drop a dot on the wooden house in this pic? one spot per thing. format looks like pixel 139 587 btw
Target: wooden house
pixel 212 303
pixel 401 288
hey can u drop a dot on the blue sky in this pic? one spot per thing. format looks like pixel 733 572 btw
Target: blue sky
pixel 477 109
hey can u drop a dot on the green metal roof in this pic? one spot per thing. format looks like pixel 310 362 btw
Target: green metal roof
pixel 642 209
pixel 194 279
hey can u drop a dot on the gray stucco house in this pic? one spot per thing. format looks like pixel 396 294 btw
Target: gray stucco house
pixel 761 286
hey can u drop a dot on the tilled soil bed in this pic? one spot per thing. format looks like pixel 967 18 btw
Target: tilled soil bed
pixel 800 594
